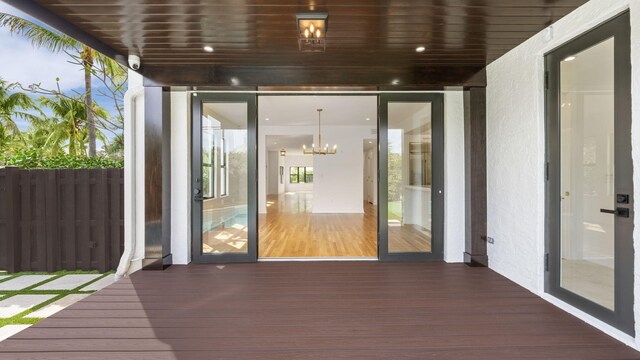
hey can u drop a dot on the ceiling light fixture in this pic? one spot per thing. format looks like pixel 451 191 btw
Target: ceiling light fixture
pixel 208 48
pixel 395 82
pixel 420 49
pixel 266 119
pixel 312 31
pixel 283 152
pixel 320 150
pixel 368 119
pixel 570 58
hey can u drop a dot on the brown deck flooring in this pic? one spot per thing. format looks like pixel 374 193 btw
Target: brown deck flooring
pixel 314 310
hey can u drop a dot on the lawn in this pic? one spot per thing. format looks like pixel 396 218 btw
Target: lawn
pixel 20 319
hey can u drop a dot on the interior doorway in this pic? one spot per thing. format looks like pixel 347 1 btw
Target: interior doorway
pixel 317 205
pixel 378 194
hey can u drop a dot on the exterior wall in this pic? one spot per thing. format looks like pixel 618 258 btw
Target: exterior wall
pixel 516 152
pixel 454 206
pixel 181 173
pixel 180 178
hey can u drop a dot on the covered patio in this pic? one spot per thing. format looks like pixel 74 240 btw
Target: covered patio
pixel 314 310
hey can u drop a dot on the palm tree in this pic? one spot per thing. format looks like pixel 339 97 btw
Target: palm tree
pixel 56 42
pixel 13 104
pixel 70 128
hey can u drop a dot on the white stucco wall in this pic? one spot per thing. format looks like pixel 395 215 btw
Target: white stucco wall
pixel 516 148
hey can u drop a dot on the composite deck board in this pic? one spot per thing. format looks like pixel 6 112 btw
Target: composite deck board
pixel 321 310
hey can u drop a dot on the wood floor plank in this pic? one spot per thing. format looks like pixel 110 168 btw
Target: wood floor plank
pixel 327 310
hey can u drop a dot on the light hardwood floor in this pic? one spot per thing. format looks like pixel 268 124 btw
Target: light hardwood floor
pixel 289 229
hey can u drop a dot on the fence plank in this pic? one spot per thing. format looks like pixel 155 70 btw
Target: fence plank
pixel 83 219
pixel 52 221
pixel 38 223
pixel 116 238
pixel 101 214
pixel 25 219
pixel 69 205
pixel 61 219
pixel 11 203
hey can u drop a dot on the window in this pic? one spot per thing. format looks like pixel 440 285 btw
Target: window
pixel 301 174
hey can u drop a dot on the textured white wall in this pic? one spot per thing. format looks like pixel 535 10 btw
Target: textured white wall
pixel 516 147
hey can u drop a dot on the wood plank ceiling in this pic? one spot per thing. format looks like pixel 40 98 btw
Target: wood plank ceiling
pixel 369 42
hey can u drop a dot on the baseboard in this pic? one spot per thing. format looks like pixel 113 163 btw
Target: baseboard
pixel 338 211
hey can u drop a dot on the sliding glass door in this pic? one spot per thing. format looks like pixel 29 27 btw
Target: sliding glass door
pixel 224 165
pixel 590 190
pixel 411 184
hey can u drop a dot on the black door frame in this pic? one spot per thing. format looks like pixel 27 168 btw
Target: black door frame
pixel 252 98
pixel 197 99
pixel 437 184
pixel 622 317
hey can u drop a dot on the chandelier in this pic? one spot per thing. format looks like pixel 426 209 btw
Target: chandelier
pixel 320 150
pixel 312 31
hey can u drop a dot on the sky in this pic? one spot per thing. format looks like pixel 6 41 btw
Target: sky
pixel 23 63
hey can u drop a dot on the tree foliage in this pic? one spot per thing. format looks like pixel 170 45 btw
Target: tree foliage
pixel 63 126
pixel 35 159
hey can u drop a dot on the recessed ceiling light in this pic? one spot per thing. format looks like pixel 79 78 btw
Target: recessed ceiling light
pixel 266 119
pixel 369 142
pixel 235 81
pixel 368 119
pixel 570 58
pixel 395 82
pixel 421 49
pixel 275 143
pixel 207 48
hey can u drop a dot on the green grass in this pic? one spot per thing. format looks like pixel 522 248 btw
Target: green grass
pixel 19 319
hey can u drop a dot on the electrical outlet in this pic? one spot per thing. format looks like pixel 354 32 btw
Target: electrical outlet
pixel 490 240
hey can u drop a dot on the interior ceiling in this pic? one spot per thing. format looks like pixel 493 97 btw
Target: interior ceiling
pixel 291 143
pixel 368 41
pixel 302 110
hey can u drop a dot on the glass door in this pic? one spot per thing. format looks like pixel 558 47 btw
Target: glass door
pixel 590 197
pixel 411 183
pixel 224 185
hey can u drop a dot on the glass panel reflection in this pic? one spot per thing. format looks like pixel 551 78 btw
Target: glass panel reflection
pixel 587 173
pixel 224 170
pixel 409 177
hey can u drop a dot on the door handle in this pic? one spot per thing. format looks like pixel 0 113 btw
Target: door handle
pixel 197 195
pixel 622 212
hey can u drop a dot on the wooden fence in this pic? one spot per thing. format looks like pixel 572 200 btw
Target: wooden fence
pixel 61 219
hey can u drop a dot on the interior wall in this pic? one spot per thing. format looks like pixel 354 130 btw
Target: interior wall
pixel 337 182
pixel 297 160
pixel 516 152
pixel 370 180
pixel 272 172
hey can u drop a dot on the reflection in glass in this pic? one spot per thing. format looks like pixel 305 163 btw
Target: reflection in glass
pixel 409 177
pixel 224 177
pixel 587 173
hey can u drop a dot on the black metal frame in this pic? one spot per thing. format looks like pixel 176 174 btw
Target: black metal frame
pixel 622 317
pixel 252 178
pixel 437 185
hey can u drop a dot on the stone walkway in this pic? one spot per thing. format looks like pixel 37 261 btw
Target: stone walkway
pixel 26 299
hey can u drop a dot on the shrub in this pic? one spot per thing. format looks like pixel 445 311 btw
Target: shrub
pixel 33 159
